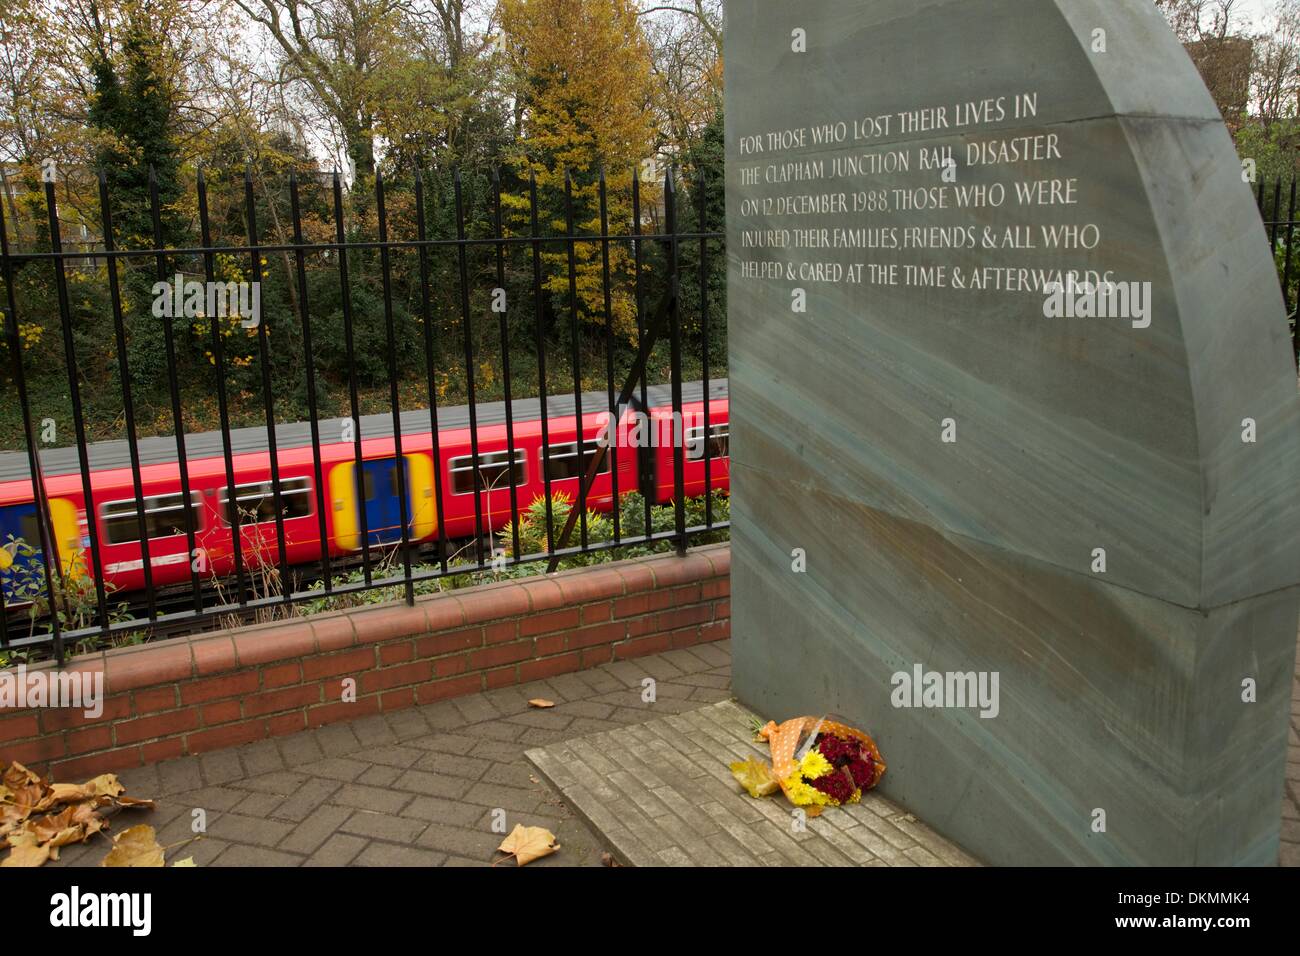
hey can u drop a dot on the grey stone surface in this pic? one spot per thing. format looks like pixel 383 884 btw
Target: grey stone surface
pixel 705 819
pixel 1120 690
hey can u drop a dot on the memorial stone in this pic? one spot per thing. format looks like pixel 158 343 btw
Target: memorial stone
pixel 1015 446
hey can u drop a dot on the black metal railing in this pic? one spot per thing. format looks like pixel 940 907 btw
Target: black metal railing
pixel 522 252
pixel 1281 236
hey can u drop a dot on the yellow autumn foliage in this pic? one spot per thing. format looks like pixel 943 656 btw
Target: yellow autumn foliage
pixel 582 69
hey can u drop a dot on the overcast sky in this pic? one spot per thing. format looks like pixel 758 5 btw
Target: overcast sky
pixel 1254 12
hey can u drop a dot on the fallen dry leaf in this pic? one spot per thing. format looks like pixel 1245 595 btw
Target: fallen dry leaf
pixel 10 819
pixel 541 702
pixel 813 811
pixel 23 838
pixel 135 846
pixel 70 825
pixel 105 785
pixel 28 799
pixel 188 861
pixel 27 854
pixel 124 802
pixel 755 776
pixel 61 793
pixel 85 813
pixel 526 844
pixel 52 825
pixel 17 776
pixel 32 826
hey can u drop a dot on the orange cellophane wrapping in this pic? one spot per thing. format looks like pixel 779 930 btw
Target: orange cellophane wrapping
pixel 783 739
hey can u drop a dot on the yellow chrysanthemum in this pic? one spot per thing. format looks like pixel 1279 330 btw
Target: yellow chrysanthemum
pixel 814 765
pixel 801 794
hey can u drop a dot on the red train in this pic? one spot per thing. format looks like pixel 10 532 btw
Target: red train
pixel 646 466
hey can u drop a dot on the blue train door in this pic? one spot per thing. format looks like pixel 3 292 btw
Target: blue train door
pixel 19 522
pixel 379 498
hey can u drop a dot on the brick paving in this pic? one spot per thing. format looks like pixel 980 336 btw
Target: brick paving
pixel 418 787
pixel 415 787
pixel 661 794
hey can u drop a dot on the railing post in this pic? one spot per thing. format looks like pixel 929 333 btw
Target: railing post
pixel 45 528
pixel 223 405
pixel 426 317
pixel 675 353
pixel 78 419
pixel 354 401
pixel 503 329
pixel 264 357
pixel 467 327
pixel 128 409
pixel 404 503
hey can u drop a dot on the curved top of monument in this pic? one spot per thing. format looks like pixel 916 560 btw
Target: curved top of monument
pixel 995 46
pixel 1169 441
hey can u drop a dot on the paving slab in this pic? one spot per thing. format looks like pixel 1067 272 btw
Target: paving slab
pixel 660 794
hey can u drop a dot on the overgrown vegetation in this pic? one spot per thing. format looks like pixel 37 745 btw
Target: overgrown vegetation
pixel 28 599
pixel 532 541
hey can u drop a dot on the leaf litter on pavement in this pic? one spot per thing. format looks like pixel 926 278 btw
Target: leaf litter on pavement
pixel 38 817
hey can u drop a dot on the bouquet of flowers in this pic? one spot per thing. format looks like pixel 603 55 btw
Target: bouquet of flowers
pixel 816 762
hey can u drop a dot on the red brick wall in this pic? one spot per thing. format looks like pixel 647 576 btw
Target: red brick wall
pixel 190 695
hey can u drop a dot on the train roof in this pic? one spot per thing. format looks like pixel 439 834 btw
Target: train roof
pixel 161 450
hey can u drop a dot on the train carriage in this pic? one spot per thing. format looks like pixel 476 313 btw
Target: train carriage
pixel 359 498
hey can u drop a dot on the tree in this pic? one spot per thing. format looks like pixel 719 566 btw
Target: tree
pixel 704 195
pixel 705 14
pixel 687 60
pixel 337 52
pixel 440 104
pixel 1276 84
pixel 1200 19
pixel 1223 57
pixel 582 79
pixel 134 110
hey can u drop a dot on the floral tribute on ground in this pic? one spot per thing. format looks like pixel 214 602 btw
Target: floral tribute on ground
pixel 816 762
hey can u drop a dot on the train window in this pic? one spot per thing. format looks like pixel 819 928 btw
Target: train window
pixel 256 501
pixel 368 483
pixel 492 471
pixel 719 442
pixel 562 460
pixel 164 517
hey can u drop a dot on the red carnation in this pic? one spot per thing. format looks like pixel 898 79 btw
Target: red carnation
pixel 863 771
pixel 838 751
pixel 834 785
